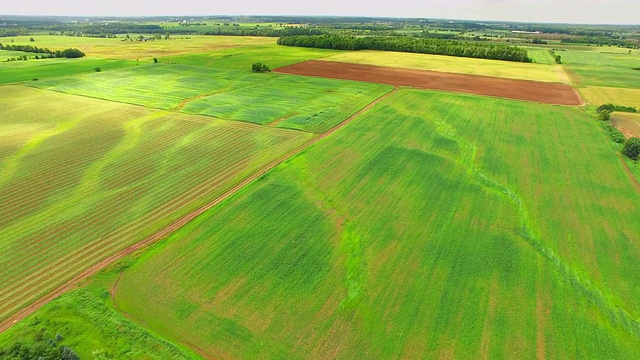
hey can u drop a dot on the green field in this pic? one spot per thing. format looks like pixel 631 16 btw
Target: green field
pixel 7 54
pixel 432 225
pixel 116 48
pixel 297 102
pixel 435 225
pixel 83 178
pixel 243 57
pixel 503 69
pixel 603 66
pixel 20 71
pixel 87 322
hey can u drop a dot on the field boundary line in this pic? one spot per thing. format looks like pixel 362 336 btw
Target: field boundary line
pixel 173 227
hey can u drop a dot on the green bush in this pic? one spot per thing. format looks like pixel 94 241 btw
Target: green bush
pixel 604 115
pixel 615 134
pixel 260 67
pixel 613 107
pixel 632 148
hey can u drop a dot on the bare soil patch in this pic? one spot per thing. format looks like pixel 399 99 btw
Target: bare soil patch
pixel 544 92
pixel 628 124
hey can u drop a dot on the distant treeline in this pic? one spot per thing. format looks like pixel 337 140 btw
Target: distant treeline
pixel 13 32
pixel 67 53
pixel 266 32
pixel 482 50
pixel 603 41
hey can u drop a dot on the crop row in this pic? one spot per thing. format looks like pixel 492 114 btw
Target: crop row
pixel 55 247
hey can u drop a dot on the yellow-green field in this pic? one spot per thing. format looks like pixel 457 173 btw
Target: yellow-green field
pixel 81 179
pixel 598 95
pixel 116 48
pixel 503 69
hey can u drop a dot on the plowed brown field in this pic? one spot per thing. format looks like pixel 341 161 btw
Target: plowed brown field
pixel 544 92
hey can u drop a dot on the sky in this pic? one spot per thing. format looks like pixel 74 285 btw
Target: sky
pixel 566 11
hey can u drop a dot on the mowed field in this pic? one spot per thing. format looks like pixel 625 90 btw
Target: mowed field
pixel 543 71
pixel 81 179
pixel 436 225
pixel 296 102
pixel 598 95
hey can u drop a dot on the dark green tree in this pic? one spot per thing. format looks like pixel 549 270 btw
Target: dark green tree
pixel 260 67
pixel 632 148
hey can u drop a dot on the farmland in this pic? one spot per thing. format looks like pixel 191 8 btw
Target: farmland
pixel 550 93
pixel 502 69
pixel 598 95
pixel 326 275
pixel 137 171
pixel 159 199
pixel 311 104
pixel 602 67
pixel 629 124
pixel 116 48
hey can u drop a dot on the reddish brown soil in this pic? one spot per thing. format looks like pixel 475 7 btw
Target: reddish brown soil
pixel 550 93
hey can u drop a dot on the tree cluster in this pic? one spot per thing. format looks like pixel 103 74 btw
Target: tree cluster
pixel 265 32
pixel 66 53
pixel 602 41
pixel 632 148
pixel 13 32
pixel 40 349
pixel 557 58
pixel 260 67
pixel 613 107
pixel 615 134
pixel 481 50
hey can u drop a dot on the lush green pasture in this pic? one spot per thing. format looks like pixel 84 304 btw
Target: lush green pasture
pixel 298 102
pixel 603 66
pixel 116 48
pixel 80 179
pixel 540 55
pixel 504 69
pixel 90 326
pixel 435 225
pixel 242 58
pixel 18 71
pixel 7 54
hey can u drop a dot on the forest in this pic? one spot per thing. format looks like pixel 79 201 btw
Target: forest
pixel 482 50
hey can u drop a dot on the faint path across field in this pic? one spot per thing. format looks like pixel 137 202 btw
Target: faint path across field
pixel 69 285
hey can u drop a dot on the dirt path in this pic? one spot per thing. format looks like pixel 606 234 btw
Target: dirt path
pixel 543 92
pixel 632 177
pixel 75 281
